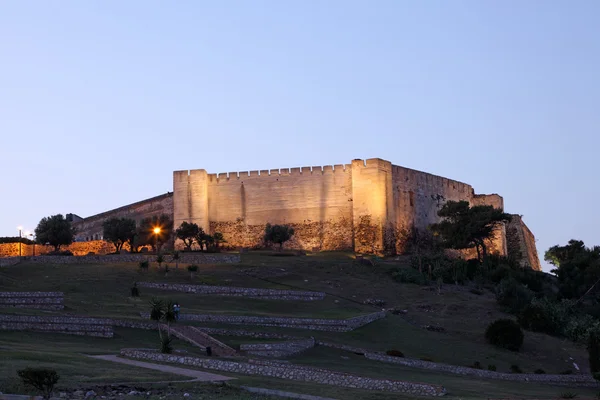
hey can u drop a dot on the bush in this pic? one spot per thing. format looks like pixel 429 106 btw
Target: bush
pixel 409 275
pixel 394 353
pixel 491 367
pixel 512 295
pixel 515 369
pixel 144 264
pixel 192 268
pixel 505 333
pixel 539 371
pixel 534 318
pixel 41 379
pixel 477 365
pixel 135 291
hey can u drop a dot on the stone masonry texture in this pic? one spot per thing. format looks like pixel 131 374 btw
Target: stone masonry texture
pixel 255 293
pixel 293 372
pixel 37 300
pixel 334 325
pixel 366 206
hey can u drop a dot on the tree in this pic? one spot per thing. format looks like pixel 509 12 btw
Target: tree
pixel 465 227
pixel 161 312
pixel 187 232
pixel 56 231
pixel 218 238
pixel 577 269
pixel 119 231
pixel 278 234
pixel 201 238
pixel 146 235
pixel 505 333
pixel 41 379
pixel 594 353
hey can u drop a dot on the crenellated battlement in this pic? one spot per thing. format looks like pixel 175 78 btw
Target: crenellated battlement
pixel 266 173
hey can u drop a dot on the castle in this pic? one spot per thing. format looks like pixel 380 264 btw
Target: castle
pixel 364 206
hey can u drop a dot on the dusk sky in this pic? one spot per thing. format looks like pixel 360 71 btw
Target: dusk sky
pixel 101 100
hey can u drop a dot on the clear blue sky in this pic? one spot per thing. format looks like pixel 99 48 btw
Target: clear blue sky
pixel 101 100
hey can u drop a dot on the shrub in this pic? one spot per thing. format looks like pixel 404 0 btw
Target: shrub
pixel 135 291
pixel 409 275
pixel 394 353
pixel 477 365
pixel 144 265
pixel 41 379
pixel 515 369
pixel 539 371
pixel 505 333
pixel 192 269
pixel 512 295
pixel 533 317
pixel 491 367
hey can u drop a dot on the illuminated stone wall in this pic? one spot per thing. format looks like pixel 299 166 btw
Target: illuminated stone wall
pixel 90 228
pixel 366 205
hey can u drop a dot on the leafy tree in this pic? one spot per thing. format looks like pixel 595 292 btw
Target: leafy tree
pixel 56 231
pixel 578 270
pixel 146 235
pixel 201 238
pixel 218 239
pixel 41 379
pixel 594 353
pixel 278 234
pixel 119 231
pixel 465 227
pixel 187 232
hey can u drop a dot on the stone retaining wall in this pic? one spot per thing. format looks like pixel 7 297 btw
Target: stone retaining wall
pixel 186 258
pixel 293 372
pixel 578 379
pixel 279 349
pixel 37 300
pixel 69 325
pixel 255 293
pixel 335 325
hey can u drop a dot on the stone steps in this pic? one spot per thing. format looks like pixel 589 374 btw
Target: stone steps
pixel 198 338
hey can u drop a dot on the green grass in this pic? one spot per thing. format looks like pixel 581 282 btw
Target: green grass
pixel 103 291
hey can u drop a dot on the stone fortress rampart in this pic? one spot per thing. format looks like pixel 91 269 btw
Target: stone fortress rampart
pixel 366 206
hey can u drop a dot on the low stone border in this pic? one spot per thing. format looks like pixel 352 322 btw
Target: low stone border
pixel 186 258
pixel 253 293
pixel 68 325
pixel 37 300
pixel 578 379
pixel 293 372
pixel 279 349
pixel 334 325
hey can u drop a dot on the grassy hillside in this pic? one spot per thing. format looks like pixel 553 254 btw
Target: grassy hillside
pixel 103 290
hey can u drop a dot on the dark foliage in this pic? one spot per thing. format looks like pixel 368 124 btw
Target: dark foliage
pixel 55 231
pixel 41 379
pixel 15 239
pixel 505 333
pixel 278 234
pixel 187 232
pixel 119 231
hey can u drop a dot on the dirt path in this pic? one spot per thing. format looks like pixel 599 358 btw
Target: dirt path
pixel 199 376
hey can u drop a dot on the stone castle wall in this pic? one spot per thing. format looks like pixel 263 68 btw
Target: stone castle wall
pixel 365 206
pixel 90 228
pixel 525 243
